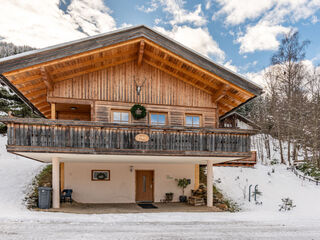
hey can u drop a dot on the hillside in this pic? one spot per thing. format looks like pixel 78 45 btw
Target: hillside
pixel 16 173
pixel 282 183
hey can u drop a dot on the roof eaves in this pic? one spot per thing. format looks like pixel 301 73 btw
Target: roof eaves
pixel 105 39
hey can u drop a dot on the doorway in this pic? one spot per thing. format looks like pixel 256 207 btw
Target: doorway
pixel 144 185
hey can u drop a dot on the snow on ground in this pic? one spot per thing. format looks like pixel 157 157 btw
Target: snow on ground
pixel 253 222
pixel 282 183
pixel 16 173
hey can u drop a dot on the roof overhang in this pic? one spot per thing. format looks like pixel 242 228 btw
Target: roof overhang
pixel 33 73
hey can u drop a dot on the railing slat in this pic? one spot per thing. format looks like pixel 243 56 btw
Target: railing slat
pixel 108 137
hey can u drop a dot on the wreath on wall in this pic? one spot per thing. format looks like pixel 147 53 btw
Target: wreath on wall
pixel 138 111
pixel 101 176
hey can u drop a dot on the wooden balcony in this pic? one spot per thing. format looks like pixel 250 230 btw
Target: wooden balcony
pixel 63 136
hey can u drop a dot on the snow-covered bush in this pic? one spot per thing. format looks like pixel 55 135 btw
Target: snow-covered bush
pixel 287 204
pixel 274 162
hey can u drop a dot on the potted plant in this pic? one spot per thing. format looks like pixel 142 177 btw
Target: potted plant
pixel 169 196
pixel 183 183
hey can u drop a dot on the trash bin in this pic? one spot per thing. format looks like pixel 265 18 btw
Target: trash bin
pixel 44 198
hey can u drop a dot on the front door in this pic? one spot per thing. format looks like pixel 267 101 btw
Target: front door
pixel 144 185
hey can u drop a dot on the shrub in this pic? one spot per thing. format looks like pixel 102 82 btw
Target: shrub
pixel 286 205
pixel 43 179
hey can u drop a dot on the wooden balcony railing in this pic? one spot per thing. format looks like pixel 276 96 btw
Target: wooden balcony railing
pixel 42 135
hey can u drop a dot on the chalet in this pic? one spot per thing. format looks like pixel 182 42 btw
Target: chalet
pixel 238 121
pixel 124 114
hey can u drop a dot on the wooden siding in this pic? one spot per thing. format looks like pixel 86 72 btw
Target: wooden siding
pixel 175 114
pixel 117 84
pixel 115 88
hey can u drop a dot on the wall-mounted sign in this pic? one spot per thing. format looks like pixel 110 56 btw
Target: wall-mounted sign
pixel 142 137
pixel 100 175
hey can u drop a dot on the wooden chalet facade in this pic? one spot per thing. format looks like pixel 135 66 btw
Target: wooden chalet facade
pixel 84 91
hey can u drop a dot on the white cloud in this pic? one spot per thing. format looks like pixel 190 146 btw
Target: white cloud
pixel 157 21
pixel 92 16
pixel 177 14
pixel 272 15
pixel 208 4
pixel 260 77
pixel 42 23
pixel 198 39
pixel 237 11
pixel 314 20
pixel 261 37
pixel 231 67
pixel 153 5
pixel 257 77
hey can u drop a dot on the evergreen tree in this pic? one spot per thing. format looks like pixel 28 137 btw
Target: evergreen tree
pixel 9 101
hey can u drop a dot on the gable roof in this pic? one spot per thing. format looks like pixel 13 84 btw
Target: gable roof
pixel 241 118
pixel 23 70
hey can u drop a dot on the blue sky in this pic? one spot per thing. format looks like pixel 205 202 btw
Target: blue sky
pixel 240 34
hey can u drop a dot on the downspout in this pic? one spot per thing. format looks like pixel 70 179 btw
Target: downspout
pixel 5 81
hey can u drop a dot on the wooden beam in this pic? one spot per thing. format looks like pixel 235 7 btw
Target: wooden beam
pixel 53 111
pixel 96 60
pixel 68 58
pixel 177 76
pixel 65 77
pixel 224 108
pixel 61 176
pixel 40 104
pixel 46 78
pixel 238 98
pixel 220 93
pixel 228 102
pixel 69 100
pixel 46 108
pixel 35 93
pixel 22 80
pixel 140 53
pixel 220 79
pixel 39 85
pixel 47 113
pixel 39 99
pixel 179 69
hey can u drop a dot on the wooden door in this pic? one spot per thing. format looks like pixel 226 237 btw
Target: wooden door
pixel 144 185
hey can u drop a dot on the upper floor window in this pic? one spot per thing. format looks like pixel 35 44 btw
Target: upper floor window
pixel 158 118
pixel 120 116
pixel 193 120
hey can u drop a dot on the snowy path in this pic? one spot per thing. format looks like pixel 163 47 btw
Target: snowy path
pixel 150 228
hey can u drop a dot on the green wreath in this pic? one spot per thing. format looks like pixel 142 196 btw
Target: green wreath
pixel 138 111
pixel 101 176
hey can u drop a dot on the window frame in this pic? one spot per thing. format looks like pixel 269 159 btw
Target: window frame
pixel 159 113
pixel 192 115
pixel 120 111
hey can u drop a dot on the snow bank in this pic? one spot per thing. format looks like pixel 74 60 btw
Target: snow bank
pixel 282 183
pixel 16 173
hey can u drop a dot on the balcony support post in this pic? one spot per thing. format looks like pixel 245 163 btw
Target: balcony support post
pixel 55 182
pixel 209 183
pixel 53 111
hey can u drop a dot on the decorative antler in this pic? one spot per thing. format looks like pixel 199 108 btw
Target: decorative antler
pixel 138 86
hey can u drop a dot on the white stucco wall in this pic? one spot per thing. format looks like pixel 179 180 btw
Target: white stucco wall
pixel 121 187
